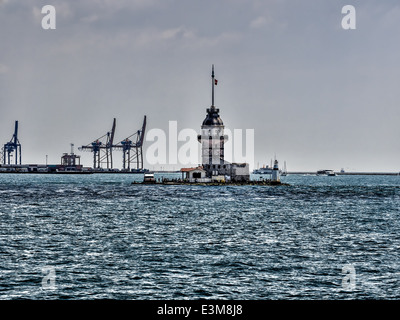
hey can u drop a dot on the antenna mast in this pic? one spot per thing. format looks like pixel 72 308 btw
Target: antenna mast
pixel 213 83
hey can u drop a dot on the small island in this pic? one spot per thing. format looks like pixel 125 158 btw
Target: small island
pixel 149 179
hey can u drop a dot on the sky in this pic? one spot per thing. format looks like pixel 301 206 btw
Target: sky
pixel 316 95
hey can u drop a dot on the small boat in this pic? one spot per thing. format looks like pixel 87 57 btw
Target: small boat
pixel 284 172
pixel 149 178
pixel 263 170
pixel 139 170
pixel 330 173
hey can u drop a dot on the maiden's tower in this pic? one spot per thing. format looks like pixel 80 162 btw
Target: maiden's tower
pixel 212 139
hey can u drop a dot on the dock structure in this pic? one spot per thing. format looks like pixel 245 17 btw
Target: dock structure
pixel 131 147
pixel 132 151
pixel 175 182
pixel 102 149
pixel 70 162
pixel 12 148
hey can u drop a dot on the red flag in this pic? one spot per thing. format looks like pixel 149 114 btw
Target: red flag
pixel 216 81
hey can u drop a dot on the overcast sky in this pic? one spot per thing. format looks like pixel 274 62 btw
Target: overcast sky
pixel 316 95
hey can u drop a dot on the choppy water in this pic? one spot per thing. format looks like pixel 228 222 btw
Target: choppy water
pixel 101 237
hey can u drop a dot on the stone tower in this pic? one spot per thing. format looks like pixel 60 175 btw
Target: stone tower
pixel 212 136
pixel 212 139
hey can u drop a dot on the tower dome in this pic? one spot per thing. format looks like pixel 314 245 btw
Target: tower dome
pixel 213 118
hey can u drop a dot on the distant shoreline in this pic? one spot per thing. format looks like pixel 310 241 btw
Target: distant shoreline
pixel 352 173
pixel 164 172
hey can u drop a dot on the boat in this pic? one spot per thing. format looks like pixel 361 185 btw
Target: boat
pixel 284 172
pixel 139 170
pixel 330 173
pixel 149 178
pixel 263 170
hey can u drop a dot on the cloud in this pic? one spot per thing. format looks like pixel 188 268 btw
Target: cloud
pixel 37 13
pixel 175 33
pixel 63 10
pixel 267 20
pixel 107 52
pixel 258 22
pixel 143 39
pixel 180 37
pixel 116 5
pixel 3 69
pixel 90 18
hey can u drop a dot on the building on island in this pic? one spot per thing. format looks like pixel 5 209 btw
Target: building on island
pixel 197 174
pixel 212 141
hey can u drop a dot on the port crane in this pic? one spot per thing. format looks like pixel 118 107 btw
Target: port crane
pixel 13 147
pixel 102 149
pixel 132 149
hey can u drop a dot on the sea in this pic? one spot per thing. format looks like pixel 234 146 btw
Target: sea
pixel 99 236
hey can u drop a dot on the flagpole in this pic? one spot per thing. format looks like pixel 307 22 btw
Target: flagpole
pixel 213 81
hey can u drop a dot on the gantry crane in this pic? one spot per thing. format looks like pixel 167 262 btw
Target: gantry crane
pixel 102 149
pixel 12 148
pixel 132 151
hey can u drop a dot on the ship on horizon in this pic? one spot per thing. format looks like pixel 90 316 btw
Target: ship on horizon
pixel 326 172
pixel 264 170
